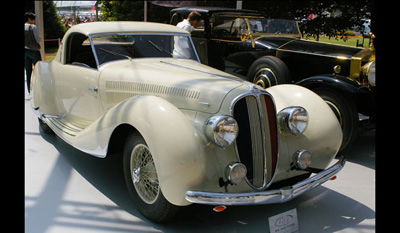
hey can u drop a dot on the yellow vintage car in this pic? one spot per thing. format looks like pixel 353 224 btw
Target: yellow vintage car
pixel 188 133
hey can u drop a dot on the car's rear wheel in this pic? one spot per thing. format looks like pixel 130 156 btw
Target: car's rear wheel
pixel 142 181
pixel 268 71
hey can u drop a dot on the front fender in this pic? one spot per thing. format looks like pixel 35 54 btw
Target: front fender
pixel 173 141
pixel 323 135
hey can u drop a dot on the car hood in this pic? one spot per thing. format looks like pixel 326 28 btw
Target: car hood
pixel 308 47
pixel 185 83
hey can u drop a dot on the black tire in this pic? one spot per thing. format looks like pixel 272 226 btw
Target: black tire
pixel 45 128
pixel 346 112
pixel 268 71
pixel 142 182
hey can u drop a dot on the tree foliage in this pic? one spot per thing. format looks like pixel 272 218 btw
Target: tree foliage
pixel 331 18
pixel 133 11
pixel 53 28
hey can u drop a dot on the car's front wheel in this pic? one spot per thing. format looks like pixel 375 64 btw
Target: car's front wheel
pixel 142 181
pixel 345 111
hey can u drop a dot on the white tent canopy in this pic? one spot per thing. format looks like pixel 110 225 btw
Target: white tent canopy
pixel 60 4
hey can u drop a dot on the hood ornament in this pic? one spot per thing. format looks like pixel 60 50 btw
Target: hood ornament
pixel 371 41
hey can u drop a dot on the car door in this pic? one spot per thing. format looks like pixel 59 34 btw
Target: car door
pixel 228 50
pixel 77 80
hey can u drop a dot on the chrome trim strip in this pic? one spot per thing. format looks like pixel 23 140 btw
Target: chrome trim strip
pixel 94 52
pixel 267 197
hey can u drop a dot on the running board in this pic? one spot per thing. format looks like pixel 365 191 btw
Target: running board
pixel 61 125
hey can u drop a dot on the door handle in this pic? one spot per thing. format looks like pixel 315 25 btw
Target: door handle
pixel 93 89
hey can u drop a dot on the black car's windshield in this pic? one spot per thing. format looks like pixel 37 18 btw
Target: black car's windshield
pixel 116 47
pixel 230 26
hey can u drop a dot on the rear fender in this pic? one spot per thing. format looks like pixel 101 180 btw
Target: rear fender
pixel 43 99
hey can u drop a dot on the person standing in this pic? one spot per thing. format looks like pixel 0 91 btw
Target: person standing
pixel 190 22
pixel 181 45
pixel 32 45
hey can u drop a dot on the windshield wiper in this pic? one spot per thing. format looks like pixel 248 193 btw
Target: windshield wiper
pixel 116 54
pixel 159 48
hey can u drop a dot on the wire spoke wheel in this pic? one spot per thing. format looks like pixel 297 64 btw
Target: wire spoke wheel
pixel 144 175
pixel 142 181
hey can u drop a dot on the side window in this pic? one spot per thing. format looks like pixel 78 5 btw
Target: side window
pixel 176 18
pixel 227 27
pixel 79 51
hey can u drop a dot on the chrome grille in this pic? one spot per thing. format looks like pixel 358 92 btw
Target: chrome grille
pixel 256 143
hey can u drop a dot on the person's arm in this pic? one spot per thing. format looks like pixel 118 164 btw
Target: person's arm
pixel 36 34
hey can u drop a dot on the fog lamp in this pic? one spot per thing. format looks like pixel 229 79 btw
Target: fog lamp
pixel 293 119
pixel 236 172
pixel 302 159
pixel 221 130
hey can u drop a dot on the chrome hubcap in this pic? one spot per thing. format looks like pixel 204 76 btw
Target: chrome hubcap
pixel 265 77
pixel 144 175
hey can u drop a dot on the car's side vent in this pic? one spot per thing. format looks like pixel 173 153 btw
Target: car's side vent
pixel 117 91
pixel 257 140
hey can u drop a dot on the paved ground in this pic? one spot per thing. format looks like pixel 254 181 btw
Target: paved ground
pixel 69 191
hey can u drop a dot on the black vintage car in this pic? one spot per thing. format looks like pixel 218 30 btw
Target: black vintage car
pixel 269 51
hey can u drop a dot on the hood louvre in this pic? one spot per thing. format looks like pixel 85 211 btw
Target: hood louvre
pixel 118 91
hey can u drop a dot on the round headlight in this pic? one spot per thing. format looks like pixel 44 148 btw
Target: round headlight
pixel 293 120
pixel 221 130
pixel 236 172
pixel 371 74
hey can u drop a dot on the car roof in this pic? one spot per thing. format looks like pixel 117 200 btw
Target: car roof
pixel 206 9
pixel 125 27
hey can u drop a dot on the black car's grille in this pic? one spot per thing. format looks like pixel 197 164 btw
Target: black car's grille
pixel 257 140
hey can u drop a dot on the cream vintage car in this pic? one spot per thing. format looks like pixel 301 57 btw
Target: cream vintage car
pixel 188 133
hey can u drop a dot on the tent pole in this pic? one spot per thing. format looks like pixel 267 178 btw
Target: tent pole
pixel 39 24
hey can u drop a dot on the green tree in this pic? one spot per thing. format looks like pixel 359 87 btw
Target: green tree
pixel 122 10
pixel 333 18
pixel 133 11
pixel 53 28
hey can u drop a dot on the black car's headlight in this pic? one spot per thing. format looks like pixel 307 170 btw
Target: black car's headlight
pixel 221 130
pixel 371 74
pixel 369 71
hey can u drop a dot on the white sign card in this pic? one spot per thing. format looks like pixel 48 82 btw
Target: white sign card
pixel 284 223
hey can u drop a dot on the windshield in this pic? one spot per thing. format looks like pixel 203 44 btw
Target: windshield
pixel 133 46
pixel 228 26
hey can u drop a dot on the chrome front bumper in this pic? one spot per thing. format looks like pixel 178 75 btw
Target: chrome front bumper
pixel 267 197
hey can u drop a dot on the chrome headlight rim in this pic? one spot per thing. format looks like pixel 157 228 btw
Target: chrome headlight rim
pixel 222 130
pixel 293 120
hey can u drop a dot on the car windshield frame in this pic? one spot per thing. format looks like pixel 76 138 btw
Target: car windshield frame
pixel 111 47
pixel 234 25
